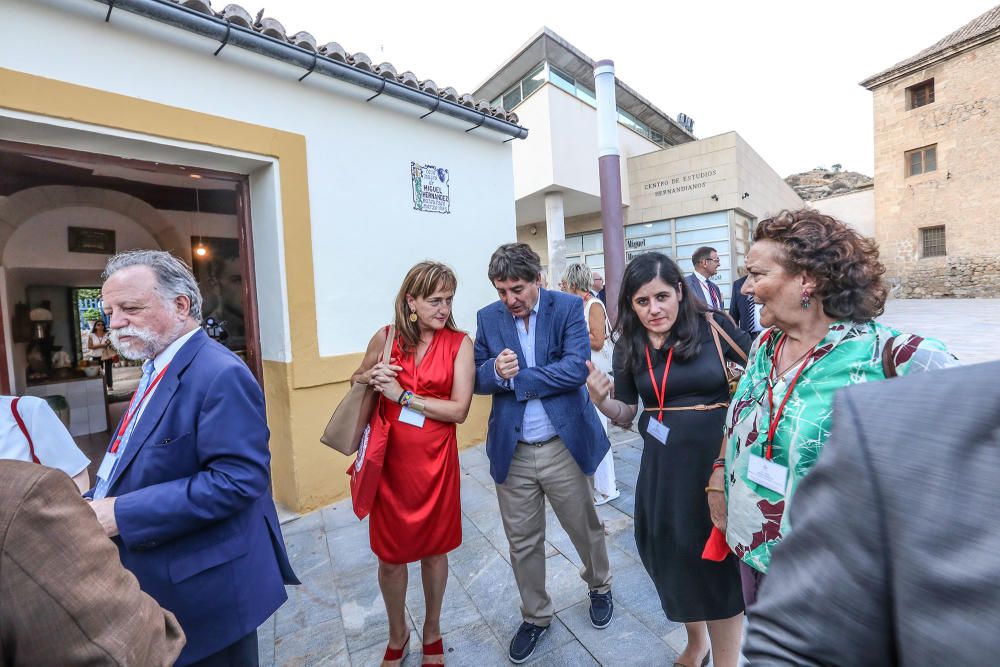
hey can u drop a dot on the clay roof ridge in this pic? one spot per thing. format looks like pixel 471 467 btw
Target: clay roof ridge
pixel 977 28
pixel 270 27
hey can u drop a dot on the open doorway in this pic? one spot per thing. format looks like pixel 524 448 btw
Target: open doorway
pixel 76 209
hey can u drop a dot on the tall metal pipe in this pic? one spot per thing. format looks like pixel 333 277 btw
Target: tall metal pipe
pixel 609 169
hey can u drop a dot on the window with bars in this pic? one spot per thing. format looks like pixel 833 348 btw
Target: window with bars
pixel 920 94
pixel 921 160
pixel 932 242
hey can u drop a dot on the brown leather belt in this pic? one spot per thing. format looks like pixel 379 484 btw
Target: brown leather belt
pixel 713 406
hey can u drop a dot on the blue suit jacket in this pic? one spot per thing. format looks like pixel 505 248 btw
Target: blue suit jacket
pixel 562 348
pixel 197 524
pixel 741 307
pixel 694 287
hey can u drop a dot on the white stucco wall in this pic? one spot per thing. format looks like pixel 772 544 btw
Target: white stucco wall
pixel 41 241
pixel 857 209
pixel 561 151
pixel 365 233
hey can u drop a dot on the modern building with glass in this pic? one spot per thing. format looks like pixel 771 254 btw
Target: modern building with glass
pixel 679 192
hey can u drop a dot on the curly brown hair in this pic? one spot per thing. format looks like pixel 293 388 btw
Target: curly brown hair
pixel 843 263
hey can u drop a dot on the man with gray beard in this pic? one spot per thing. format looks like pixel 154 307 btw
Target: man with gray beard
pixel 184 488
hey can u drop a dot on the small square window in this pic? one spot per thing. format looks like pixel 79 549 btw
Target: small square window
pixel 920 94
pixel 932 242
pixel 921 160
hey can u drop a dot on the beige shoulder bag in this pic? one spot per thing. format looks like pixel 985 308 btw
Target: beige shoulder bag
pixel 344 430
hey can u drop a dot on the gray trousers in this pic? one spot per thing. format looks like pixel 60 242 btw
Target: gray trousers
pixel 549 471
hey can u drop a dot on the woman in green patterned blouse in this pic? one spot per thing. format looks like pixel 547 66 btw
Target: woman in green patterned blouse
pixel 820 285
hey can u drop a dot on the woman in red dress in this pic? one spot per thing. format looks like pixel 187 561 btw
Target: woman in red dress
pixel 426 390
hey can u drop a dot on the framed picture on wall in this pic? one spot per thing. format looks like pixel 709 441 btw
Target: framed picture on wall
pixel 92 240
pixel 216 264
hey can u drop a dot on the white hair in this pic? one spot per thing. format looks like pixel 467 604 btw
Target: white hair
pixel 173 277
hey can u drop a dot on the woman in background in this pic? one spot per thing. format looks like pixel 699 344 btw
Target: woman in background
pixel 579 281
pixel 101 351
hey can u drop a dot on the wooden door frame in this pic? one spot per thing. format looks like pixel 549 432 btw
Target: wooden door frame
pixel 244 229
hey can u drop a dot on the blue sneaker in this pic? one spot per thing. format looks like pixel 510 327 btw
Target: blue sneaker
pixel 524 642
pixel 602 609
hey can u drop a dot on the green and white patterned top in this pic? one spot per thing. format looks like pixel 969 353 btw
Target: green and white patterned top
pixel 850 353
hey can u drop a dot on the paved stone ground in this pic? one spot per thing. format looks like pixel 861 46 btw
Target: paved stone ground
pixel 337 616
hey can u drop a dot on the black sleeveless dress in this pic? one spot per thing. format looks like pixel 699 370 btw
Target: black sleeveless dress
pixel 672 521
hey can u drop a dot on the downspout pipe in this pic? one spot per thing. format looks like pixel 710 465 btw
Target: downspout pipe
pixel 609 171
pixel 236 35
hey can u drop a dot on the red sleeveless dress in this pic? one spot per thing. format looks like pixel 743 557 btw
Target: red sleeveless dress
pixel 417 511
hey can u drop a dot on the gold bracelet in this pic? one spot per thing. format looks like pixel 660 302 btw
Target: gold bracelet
pixel 417 405
pixel 716 489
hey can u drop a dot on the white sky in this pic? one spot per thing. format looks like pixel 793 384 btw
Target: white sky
pixel 784 74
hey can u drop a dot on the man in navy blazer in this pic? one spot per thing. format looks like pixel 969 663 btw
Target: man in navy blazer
pixel 545 439
pixel 184 489
pixel 743 309
pixel 706 264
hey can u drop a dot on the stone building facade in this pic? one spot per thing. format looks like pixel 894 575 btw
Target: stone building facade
pixel 937 144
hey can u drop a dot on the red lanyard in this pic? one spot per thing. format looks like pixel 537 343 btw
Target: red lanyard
pixel 661 393
pixel 130 413
pixel 772 378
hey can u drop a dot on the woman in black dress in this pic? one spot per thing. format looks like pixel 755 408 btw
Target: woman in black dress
pixel 663 333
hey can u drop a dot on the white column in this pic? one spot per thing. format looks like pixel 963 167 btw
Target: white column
pixel 555 229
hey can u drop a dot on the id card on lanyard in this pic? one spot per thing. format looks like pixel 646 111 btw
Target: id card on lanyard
pixel 762 469
pixel 111 457
pixel 656 427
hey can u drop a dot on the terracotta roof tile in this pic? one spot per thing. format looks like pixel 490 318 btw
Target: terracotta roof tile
pixel 977 27
pixel 273 28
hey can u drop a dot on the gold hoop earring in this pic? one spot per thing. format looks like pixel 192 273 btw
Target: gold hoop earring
pixel 413 316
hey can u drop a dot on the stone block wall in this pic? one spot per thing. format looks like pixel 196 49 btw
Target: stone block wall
pixel 952 277
pixel 963 193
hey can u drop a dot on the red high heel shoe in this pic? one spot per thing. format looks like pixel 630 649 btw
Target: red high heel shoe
pixel 397 653
pixel 434 648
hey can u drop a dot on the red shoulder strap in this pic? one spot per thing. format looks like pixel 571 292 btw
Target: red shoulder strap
pixel 24 429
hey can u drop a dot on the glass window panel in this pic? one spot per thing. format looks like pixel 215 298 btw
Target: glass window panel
pixel 915 163
pixel 574 244
pixel 685 265
pixel 721 246
pixel 585 95
pixel 512 99
pixel 596 261
pixel 593 241
pixel 708 236
pixel 930 159
pixel 647 228
pixel 533 81
pixel 715 219
pixel 561 80
pixel 722 279
pixel 648 242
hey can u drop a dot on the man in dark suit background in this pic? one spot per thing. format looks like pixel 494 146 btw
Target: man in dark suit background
pixel 744 310
pixel 184 489
pixel 892 558
pixel 706 264
pixel 65 598
pixel 545 439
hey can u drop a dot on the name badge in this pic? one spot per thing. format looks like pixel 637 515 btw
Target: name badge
pixel 107 466
pixel 768 474
pixel 658 430
pixel 411 417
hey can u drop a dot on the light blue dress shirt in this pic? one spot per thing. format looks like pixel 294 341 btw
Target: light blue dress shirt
pixel 536 425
